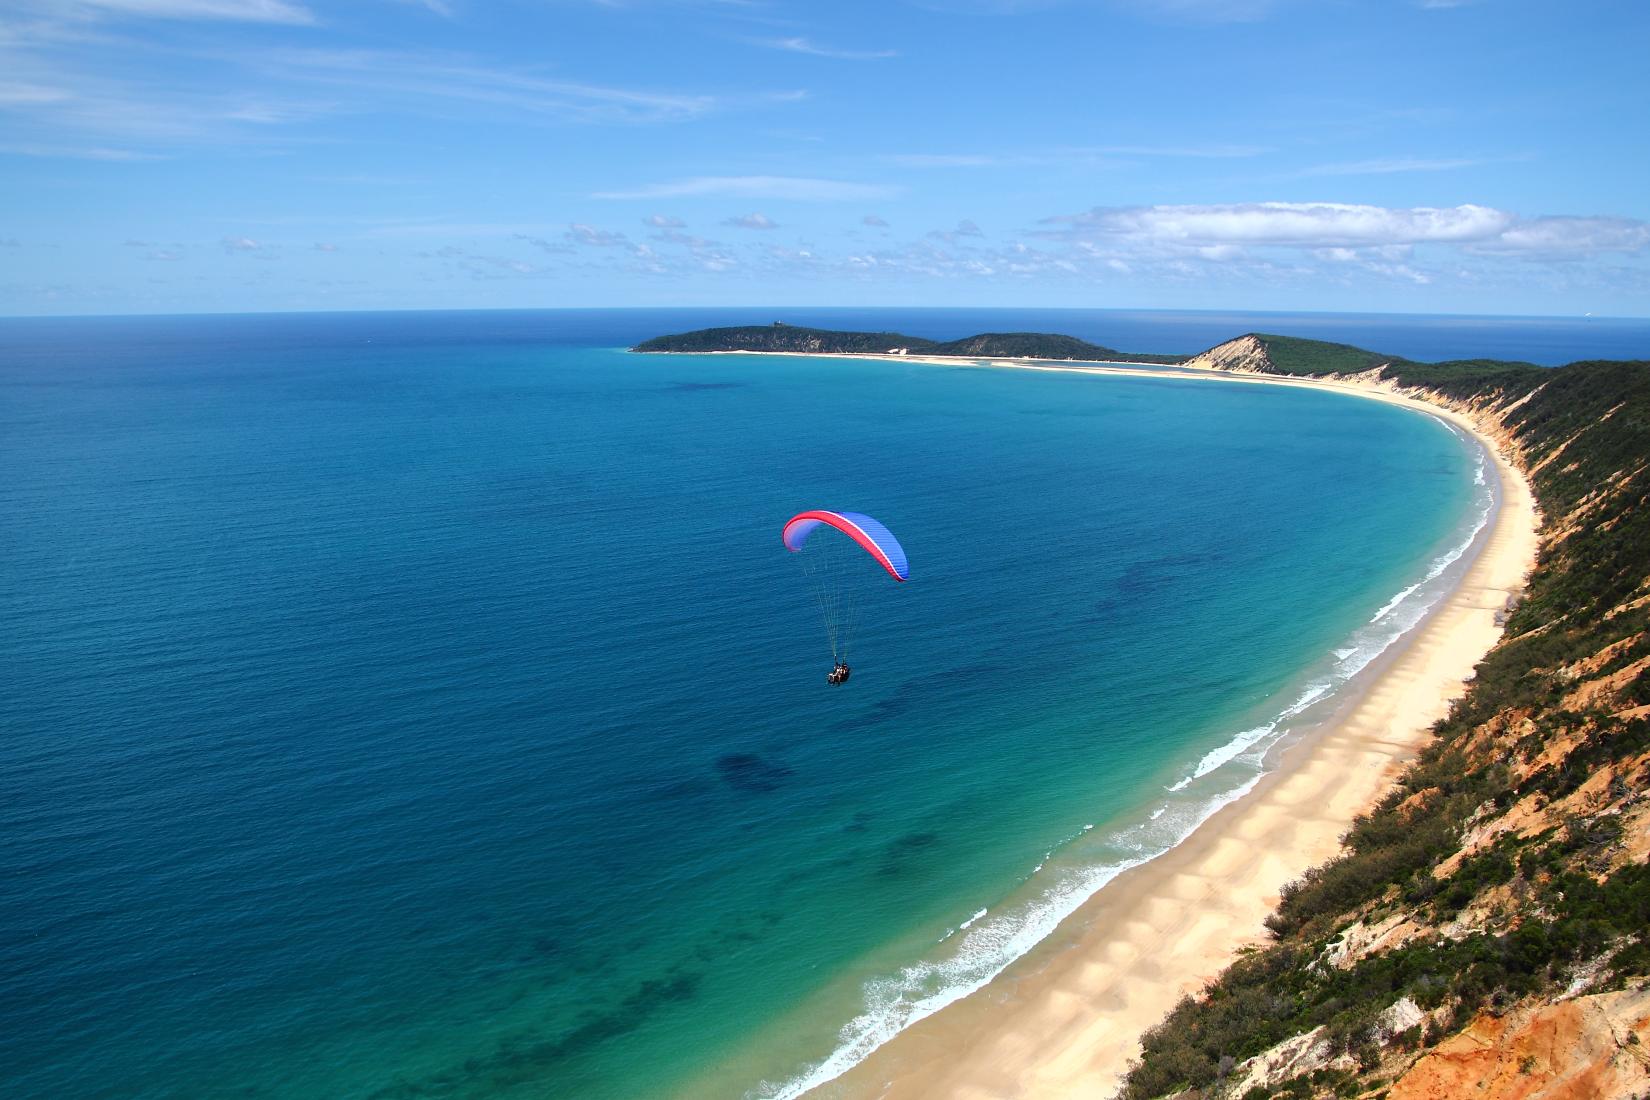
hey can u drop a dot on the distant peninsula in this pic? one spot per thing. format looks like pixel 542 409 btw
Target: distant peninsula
pixel 798 340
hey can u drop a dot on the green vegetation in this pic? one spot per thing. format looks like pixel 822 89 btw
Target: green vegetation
pixel 1042 345
pixel 1457 378
pixel 780 337
pixel 1542 906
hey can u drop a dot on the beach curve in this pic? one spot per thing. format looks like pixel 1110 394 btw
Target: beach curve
pixel 1065 1019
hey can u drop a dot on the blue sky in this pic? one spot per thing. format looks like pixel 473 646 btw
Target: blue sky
pixel 1387 155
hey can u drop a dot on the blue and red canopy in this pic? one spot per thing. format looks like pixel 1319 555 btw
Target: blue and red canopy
pixel 877 540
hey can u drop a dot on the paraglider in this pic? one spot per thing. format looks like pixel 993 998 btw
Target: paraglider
pixel 835 564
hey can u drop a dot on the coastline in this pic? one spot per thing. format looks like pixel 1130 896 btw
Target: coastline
pixel 1066 1018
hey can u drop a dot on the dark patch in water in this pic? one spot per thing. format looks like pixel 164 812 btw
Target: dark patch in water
pixel 519 1060
pixel 691 386
pixel 859 824
pixel 901 852
pixel 1146 579
pixel 911 692
pixel 748 772
pixel 881 711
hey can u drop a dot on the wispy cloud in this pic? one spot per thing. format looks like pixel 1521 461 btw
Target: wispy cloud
pixel 68 96
pixel 803 45
pixel 663 221
pixel 481 266
pixel 1082 154
pixel 946 160
pixel 75 152
pixel 752 221
pixel 244 11
pixel 435 7
pixel 240 244
pixel 965 228
pixel 874 221
pixel 14 93
pixel 579 233
pixel 1391 165
pixel 792 188
pixel 452 78
pixel 1201 11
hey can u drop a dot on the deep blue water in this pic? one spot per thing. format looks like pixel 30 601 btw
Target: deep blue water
pixel 422 704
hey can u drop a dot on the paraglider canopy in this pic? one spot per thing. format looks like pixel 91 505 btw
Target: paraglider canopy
pixel 877 540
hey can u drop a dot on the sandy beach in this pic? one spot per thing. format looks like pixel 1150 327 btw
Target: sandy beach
pixel 1066 1019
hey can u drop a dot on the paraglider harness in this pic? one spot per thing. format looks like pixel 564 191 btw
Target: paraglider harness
pixel 838 675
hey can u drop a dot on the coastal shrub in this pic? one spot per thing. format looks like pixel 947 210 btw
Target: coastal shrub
pixel 1487 869
pixel 1564 914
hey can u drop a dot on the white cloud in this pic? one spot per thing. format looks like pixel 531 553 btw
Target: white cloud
pixel 752 221
pixel 240 244
pixel 325 246
pixel 1561 237
pixel 802 45
pixel 873 221
pixel 789 188
pixel 664 221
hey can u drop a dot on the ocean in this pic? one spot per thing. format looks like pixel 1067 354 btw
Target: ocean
pixel 423 705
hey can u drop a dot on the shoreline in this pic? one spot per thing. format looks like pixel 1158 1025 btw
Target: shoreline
pixel 1065 1019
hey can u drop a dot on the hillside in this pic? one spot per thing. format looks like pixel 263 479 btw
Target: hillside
pixel 1485 932
pixel 795 339
pixel 780 337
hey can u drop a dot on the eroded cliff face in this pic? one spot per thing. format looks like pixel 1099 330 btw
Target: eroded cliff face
pixel 1488 933
pixel 1245 355
pixel 1580 1049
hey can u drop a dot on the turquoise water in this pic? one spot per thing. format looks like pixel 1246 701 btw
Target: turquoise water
pixel 426 707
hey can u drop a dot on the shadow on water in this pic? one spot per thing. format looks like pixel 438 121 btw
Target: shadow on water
pixel 902 854
pixel 1146 579
pixel 753 774
pixel 519 1060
